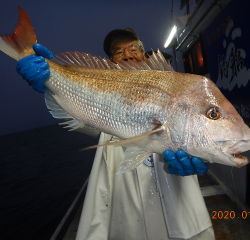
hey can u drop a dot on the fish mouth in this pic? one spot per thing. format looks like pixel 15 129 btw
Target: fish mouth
pixel 239 159
pixel 234 149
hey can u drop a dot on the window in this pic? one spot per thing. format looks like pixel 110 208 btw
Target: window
pixel 194 58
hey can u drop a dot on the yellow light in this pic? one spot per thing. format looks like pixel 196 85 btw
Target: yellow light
pixel 173 31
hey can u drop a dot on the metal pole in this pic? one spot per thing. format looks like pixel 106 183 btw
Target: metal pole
pixel 188 8
pixel 213 4
pixel 176 61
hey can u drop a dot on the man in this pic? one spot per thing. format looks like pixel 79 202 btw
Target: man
pixel 148 202
pixel 123 45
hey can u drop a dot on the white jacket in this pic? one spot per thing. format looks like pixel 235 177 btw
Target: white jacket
pixel 146 203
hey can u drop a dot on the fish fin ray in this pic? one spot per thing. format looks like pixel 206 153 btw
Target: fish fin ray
pixel 156 61
pixel 166 65
pixel 84 59
pixel 132 158
pixel 140 140
pixel 55 109
pixel 73 124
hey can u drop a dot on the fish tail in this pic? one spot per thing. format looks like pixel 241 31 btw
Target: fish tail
pixel 20 43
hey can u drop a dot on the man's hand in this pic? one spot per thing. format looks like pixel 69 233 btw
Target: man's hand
pixel 181 164
pixel 34 69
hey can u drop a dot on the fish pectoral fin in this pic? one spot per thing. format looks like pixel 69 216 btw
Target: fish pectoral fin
pixel 52 103
pixel 132 158
pixel 55 109
pixel 139 141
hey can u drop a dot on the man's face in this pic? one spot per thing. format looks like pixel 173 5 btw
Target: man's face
pixel 127 50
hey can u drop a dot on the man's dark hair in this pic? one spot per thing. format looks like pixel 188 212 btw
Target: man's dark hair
pixel 120 35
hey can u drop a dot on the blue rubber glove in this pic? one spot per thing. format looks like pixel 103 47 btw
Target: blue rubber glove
pixel 34 69
pixel 181 164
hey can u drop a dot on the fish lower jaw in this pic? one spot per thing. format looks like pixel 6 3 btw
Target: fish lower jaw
pixel 239 159
pixel 233 149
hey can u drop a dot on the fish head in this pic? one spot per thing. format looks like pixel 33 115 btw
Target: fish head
pixel 217 132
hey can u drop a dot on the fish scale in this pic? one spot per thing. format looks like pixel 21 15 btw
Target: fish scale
pixel 117 113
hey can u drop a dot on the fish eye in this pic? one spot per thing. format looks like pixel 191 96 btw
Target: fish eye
pixel 213 113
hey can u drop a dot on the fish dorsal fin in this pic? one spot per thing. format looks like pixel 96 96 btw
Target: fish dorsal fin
pixel 84 59
pixel 70 122
pixel 156 61
pixel 159 60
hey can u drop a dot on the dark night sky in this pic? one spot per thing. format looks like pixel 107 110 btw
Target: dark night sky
pixel 71 26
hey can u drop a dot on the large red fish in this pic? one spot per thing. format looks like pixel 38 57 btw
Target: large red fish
pixel 148 106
